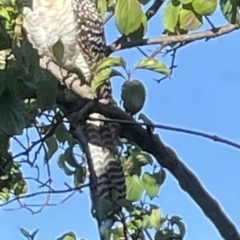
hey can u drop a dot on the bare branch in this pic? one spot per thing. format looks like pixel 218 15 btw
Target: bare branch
pixel 166 40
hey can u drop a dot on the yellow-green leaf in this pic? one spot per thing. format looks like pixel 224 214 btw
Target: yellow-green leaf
pixel 102 7
pixel 204 7
pixel 102 76
pixel 111 62
pixel 154 65
pixel 170 15
pixel 188 20
pixel 4 194
pixel 134 188
pixel 185 1
pixel 155 217
pixel 127 15
pixel 68 236
pixel 4 13
pixel 150 184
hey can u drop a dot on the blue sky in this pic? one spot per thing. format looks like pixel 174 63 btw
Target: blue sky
pixel 203 95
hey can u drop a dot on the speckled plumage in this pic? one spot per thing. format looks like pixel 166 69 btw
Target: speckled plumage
pixel 79 26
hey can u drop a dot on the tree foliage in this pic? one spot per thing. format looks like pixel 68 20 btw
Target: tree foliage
pixel 31 95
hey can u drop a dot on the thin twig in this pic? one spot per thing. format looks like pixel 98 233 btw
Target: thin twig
pixel 176 129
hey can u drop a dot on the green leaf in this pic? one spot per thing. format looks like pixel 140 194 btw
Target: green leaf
pixel 160 176
pixel 127 15
pixel 111 62
pixel 52 147
pixel 178 221
pixel 4 194
pixel 20 187
pixel 134 188
pixel 63 166
pixel 230 10
pixel 34 234
pixel 70 158
pixel 170 15
pixel 117 233
pixel 102 7
pixel 4 13
pixel 150 184
pixel 12 120
pixel 58 50
pixel 154 65
pixel 141 31
pixel 165 234
pixel 62 133
pixel 5 38
pixel 101 77
pixel 185 1
pixel 79 176
pixel 68 236
pixel 104 208
pixel 47 87
pixel 188 20
pixel 144 158
pixel 144 2
pixel 155 217
pixel 25 233
pixel 204 7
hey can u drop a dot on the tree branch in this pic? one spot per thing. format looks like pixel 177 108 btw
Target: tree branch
pixel 153 9
pixel 169 160
pixel 166 40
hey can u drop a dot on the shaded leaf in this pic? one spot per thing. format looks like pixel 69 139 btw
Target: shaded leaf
pixel 141 31
pixel 164 234
pixel 58 50
pixel 12 120
pixel 127 15
pixel 52 147
pixel 154 65
pixel 34 233
pixel 230 10
pixel 25 233
pixel 47 87
pixel 144 1
pixel 134 188
pixel 70 158
pixel 63 166
pixel 62 133
pixel 79 176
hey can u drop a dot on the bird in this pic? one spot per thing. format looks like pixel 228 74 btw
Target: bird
pixel 79 26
